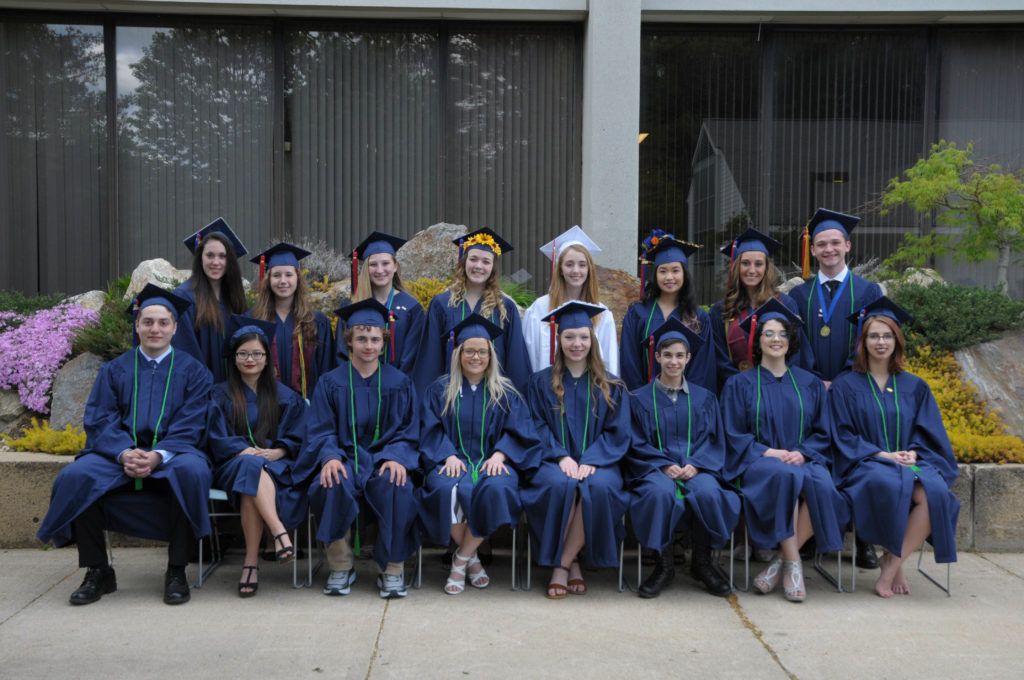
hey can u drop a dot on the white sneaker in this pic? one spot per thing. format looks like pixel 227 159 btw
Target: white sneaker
pixel 340 582
pixel 391 586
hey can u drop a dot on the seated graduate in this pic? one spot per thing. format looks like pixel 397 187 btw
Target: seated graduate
pixel 674 466
pixel 379 277
pixel 255 433
pixel 752 281
pixel 778 433
pixel 302 348
pixel 576 497
pixel 142 471
pixel 573 277
pixel 893 456
pixel 476 438
pixel 215 290
pixel 362 432
pixel 475 289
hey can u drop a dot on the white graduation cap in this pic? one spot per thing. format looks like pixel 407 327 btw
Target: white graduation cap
pixel 573 237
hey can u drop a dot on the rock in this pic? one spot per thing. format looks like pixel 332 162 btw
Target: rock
pixel 995 369
pixel 920 277
pixel 71 390
pixel 618 291
pixel 430 253
pixel 963 489
pixel 93 299
pixel 999 507
pixel 159 272
pixel 329 300
pixel 13 414
pixel 789 285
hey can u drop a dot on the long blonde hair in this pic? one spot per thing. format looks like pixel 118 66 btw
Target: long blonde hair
pixel 264 309
pixel 557 292
pixel 498 385
pixel 492 297
pixel 595 365
pixel 364 289
pixel 735 301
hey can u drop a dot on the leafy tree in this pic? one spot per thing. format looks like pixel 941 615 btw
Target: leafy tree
pixel 984 206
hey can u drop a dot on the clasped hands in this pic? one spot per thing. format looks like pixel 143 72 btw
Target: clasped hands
pixel 139 464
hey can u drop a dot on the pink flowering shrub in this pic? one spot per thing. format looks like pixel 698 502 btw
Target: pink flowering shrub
pixel 32 348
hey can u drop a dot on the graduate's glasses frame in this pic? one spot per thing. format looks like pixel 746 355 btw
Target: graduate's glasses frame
pixel 255 356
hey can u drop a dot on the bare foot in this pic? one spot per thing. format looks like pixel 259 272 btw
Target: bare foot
pixel 576 584
pixel 899 582
pixel 889 565
pixel 557 589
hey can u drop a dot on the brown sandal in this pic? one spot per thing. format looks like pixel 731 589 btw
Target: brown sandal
pixel 556 591
pixel 578 583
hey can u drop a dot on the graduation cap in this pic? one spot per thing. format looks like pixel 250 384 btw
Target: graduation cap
pixel 883 306
pixel 672 330
pixel 751 241
pixel 368 312
pixel 574 236
pixel 476 326
pixel 484 238
pixel 670 249
pixel 219 226
pixel 280 254
pixel 573 314
pixel 771 310
pixel 239 325
pixel 374 244
pixel 823 220
pixel 155 295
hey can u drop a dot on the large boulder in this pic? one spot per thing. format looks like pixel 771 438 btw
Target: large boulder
pixel 430 253
pixel 71 390
pixel 13 414
pixel 995 369
pixel 328 300
pixel 158 272
pixel 789 285
pixel 93 300
pixel 618 291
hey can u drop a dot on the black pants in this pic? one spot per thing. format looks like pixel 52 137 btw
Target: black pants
pixel 88 528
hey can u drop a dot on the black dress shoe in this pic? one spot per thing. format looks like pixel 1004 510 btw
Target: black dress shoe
pixel 866 557
pixel 703 569
pixel 663 573
pixel 176 586
pixel 98 582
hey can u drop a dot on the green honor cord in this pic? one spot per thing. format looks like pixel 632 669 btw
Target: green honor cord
pixel 355 435
pixel 135 404
pixel 680 484
pixel 885 429
pixel 474 469
pixel 757 413
pixel 586 423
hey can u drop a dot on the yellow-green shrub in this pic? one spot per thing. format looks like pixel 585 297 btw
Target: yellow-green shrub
pixel 978 435
pixel 424 290
pixel 44 439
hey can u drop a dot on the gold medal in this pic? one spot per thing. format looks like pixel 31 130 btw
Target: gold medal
pixel 825 331
pixel 746 365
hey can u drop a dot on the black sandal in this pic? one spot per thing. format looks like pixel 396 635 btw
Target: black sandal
pixel 247 571
pixel 287 552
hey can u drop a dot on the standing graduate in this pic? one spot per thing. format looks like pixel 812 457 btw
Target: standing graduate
pixel 893 456
pixel 302 348
pixel 142 471
pixel 674 466
pixel 829 298
pixel 379 277
pixel 216 292
pixel 576 498
pixel 667 293
pixel 476 288
pixel 752 281
pixel 573 277
pixel 255 433
pixel 363 433
pixel 476 439
pixel 778 433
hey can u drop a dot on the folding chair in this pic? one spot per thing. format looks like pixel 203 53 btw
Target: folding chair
pixel 949 574
pixel 310 542
pixel 416 579
pixel 837 580
pixel 216 550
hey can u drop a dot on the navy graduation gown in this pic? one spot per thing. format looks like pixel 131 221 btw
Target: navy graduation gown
pixel 549 496
pixel 406 335
pixel 732 341
pixel 660 503
pixel 286 349
pixel 640 321
pixel 204 343
pixel 329 437
pixel 833 354
pixel 881 488
pixel 108 427
pixel 770 487
pixel 240 475
pixel 434 355
pixel 491 501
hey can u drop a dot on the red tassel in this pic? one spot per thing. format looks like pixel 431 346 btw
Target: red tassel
pixel 650 360
pixel 750 340
pixel 355 271
pixel 554 335
pixel 263 266
pixel 732 253
pixel 391 334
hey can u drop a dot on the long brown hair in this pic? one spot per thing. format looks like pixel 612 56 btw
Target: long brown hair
pixel 305 325
pixel 897 360
pixel 231 290
pixel 595 365
pixel 491 299
pixel 267 405
pixel 736 300
pixel 364 289
pixel 557 292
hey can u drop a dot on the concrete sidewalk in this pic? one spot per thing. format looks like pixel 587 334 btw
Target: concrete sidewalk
pixel 282 632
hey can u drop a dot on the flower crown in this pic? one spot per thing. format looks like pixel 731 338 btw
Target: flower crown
pixel 655 238
pixel 482 240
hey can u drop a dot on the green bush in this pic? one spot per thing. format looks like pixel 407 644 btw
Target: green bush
pixel 111 336
pixel 45 439
pixel 19 303
pixel 523 296
pixel 948 316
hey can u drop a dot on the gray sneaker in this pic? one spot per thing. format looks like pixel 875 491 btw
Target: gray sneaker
pixel 391 586
pixel 340 582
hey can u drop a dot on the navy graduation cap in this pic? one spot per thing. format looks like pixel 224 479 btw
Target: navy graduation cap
pixel 280 254
pixel 219 226
pixel 476 326
pixel 376 243
pixel 674 329
pixel 239 325
pixel 824 219
pixel 752 240
pixel 883 306
pixel 573 314
pixel 155 295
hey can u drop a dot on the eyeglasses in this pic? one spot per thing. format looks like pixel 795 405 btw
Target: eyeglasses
pixel 881 337
pixel 255 356
pixel 781 335
pixel 473 353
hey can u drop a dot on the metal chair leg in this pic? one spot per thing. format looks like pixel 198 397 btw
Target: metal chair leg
pixel 948 588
